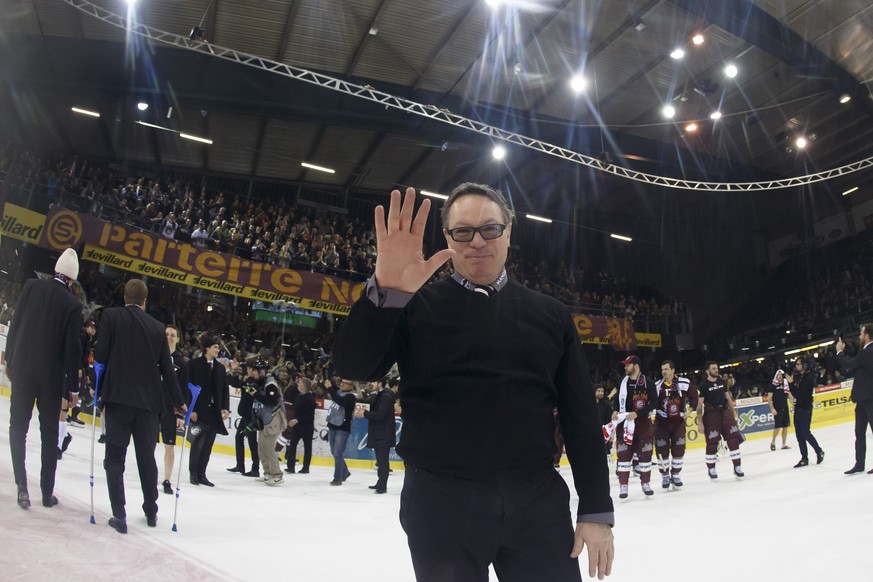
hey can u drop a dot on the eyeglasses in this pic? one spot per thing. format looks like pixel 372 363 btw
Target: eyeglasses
pixel 466 233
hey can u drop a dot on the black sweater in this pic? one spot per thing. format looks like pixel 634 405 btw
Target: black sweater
pixel 481 377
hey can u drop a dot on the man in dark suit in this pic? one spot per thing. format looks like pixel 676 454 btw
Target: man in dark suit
pixel 861 367
pixel 211 409
pixel 381 430
pixel 302 425
pixel 43 350
pixel 138 379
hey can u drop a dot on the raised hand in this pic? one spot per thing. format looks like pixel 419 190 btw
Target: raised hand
pixel 400 262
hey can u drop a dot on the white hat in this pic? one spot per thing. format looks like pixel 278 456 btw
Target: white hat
pixel 68 264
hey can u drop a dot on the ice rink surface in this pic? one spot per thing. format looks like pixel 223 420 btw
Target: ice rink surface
pixel 777 524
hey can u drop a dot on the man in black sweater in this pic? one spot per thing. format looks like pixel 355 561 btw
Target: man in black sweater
pixel 381 430
pixel 484 362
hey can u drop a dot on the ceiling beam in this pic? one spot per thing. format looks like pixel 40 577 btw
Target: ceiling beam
pixel 290 17
pixel 364 160
pixel 359 52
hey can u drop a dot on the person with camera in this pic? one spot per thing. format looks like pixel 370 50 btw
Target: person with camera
pixel 243 432
pixel 802 387
pixel 268 417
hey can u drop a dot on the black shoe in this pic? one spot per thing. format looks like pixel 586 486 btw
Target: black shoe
pixel 819 457
pixel 772 447
pixel 290 470
pixel 252 473
pixel 102 439
pixel 152 520
pixel 66 443
pixel 204 481
pixel 303 471
pixel 381 491
pixel 74 420
pixel 853 470
pixel 870 472
pixel 60 454
pixel 49 501
pixel 802 463
pixel 23 498
pixel 168 488
pixel 119 524
pixel 346 476
pixel 373 487
pixel 195 480
pixel 237 470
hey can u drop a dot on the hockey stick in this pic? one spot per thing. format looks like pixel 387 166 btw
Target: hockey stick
pixel 195 392
pixel 98 372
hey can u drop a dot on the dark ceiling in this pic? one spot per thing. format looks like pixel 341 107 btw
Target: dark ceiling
pixel 507 66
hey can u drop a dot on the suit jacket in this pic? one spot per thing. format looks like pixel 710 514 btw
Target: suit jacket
pixel 381 430
pixel 861 367
pixel 215 394
pixel 181 367
pixel 139 372
pixel 44 346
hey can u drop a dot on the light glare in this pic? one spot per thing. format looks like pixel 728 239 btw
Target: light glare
pixel 319 168
pixel 697 39
pixel 499 152
pixel 677 54
pixel 731 71
pixel 85 112
pixel 668 111
pixel 578 83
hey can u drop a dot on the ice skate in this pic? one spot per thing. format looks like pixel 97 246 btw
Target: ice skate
pixel 677 481
pixel 738 471
pixel 665 481
pixel 712 473
pixel 622 492
pixel 647 489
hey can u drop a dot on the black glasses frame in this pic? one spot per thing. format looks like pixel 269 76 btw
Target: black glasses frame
pixel 486 231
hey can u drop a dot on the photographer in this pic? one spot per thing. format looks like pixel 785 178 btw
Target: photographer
pixel 268 411
pixel 243 432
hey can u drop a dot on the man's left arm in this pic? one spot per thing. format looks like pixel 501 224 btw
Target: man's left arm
pixel 583 437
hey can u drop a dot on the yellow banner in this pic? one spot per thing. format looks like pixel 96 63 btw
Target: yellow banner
pixel 644 340
pixel 21 223
pixel 119 261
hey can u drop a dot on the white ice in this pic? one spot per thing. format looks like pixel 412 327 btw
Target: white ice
pixel 776 524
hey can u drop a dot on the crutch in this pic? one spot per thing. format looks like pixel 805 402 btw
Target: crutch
pixel 195 392
pixel 98 373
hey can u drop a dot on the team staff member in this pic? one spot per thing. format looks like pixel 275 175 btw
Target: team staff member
pixel 716 419
pixel 211 408
pixel 861 367
pixel 43 350
pixel 634 435
pixel 780 395
pixel 139 378
pixel 484 362
pixel 302 425
pixel 381 431
pixel 243 431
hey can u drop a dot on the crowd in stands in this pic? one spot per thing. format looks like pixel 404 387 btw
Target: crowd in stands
pixel 299 237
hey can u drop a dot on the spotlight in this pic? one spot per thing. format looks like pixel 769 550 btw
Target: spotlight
pixel 731 71
pixel 578 83
pixel 668 111
pixel 499 152
pixel 691 127
pixel 715 115
pixel 845 98
pixel 697 39
pixel 142 105
pixel 196 33
pixel 801 142
pixel 517 68
pixel 677 54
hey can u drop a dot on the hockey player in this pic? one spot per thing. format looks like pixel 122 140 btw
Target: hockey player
pixel 716 419
pixel 675 394
pixel 636 397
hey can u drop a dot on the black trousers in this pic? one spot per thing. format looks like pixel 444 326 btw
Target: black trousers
pixel 201 451
pixel 863 416
pixel 802 422
pixel 383 466
pixel 300 433
pixel 48 403
pixel 240 439
pixel 122 423
pixel 456 528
